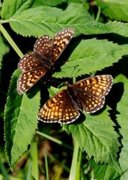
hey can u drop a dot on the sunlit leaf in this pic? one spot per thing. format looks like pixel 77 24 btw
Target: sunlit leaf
pixel 90 56
pixel 9 8
pixel 114 9
pixel 123 122
pixel 3 50
pixel 97 137
pixel 20 121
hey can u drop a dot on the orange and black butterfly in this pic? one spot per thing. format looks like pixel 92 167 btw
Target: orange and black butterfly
pixel 87 94
pixel 35 64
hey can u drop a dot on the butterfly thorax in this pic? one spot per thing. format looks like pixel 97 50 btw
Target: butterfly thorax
pixel 45 61
pixel 73 96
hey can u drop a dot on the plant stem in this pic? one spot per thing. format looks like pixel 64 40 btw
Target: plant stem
pixel 46 165
pixel 10 41
pixel 34 157
pixel 53 139
pixel 76 161
pixel 98 14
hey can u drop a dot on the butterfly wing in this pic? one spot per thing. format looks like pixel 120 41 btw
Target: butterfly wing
pixel 52 48
pixel 37 58
pixel 29 62
pixel 91 92
pixel 60 108
pixel 35 64
pixel 43 46
pixel 29 78
pixel 60 42
pixel 32 69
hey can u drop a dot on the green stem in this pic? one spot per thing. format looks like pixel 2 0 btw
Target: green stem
pixel 98 14
pixel 10 41
pixel 53 139
pixel 29 171
pixel 4 21
pixel 74 79
pixel 46 165
pixel 34 157
pixel 76 162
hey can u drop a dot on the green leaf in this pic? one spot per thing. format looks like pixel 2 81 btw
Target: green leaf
pixel 48 20
pixel 117 27
pixel 9 8
pixel 20 121
pixel 104 171
pixel 3 49
pixel 35 21
pixel 48 3
pixel 57 3
pixel 114 9
pixel 97 137
pixel 39 20
pixel 91 55
pixel 122 108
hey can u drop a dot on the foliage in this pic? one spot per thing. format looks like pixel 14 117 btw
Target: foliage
pixel 115 9
pixel 21 128
pixel 4 49
pixel 99 46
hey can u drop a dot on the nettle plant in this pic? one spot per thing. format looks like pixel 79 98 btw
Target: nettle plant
pixel 100 140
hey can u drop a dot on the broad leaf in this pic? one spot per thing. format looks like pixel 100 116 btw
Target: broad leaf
pixel 39 20
pixel 48 20
pixel 97 137
pixel 104 171
pixel 48 3
pixel 122 119
pixel 90 56
pixel 117 27
pixel 9 8
pixel 3 49
pixel 20 121
pixel 114 9
pixel 35 21
pixel 57 3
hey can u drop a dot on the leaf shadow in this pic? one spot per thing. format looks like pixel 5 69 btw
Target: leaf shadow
pixel 115 97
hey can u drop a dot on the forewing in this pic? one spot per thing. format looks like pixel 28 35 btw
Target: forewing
pixel 60 42
pixel 91 92
pixel 43 46
pixel 60 108
pixel 29 62
pixel 29 78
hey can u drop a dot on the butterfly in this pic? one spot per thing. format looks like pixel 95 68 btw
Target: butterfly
pixel 35 64
pixel 87 94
